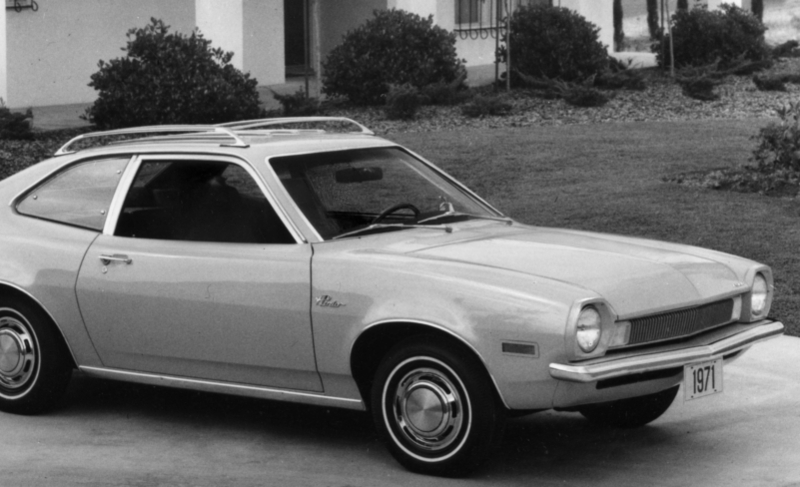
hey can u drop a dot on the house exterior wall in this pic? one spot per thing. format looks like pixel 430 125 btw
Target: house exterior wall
pixel 263 55
pixel 220 21
pixel 3 58
pixel 52 52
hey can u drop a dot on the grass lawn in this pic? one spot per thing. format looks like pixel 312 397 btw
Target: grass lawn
pixel 608 177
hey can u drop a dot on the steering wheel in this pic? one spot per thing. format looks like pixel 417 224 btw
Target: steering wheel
pixel 392 209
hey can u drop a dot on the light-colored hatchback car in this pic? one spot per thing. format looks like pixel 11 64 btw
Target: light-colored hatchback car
pixel 278 260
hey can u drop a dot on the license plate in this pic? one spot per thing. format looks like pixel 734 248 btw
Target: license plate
pixel 702 379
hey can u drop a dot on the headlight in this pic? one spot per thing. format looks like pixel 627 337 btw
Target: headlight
pixel 759 296
pixel 588 329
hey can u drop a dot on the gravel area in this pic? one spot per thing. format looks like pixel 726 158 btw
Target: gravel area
pixel 662 100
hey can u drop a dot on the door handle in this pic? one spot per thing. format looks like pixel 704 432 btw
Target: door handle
pixel 107 259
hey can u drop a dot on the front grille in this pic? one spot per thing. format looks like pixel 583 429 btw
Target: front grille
pixel 681 323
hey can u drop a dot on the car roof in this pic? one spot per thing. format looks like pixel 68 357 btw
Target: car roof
pixel 256 138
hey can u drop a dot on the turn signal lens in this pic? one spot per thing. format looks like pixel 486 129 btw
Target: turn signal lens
pixel 758 296
pixel 588 329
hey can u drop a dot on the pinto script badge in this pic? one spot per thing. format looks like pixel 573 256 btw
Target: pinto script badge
pixel 327 302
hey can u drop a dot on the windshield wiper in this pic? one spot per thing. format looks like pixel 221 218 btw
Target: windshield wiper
pixel 453 213
pixel 399 226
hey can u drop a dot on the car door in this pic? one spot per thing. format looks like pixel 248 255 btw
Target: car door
pixel 198 276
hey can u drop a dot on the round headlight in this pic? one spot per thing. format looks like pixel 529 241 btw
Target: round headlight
pixel 758 296
pixel 588 329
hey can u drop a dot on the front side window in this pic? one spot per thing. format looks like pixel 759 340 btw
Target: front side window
pixel 80 195
pixel 201 201
pixel 339 192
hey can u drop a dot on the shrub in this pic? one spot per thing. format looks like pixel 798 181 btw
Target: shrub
pixel 703 37
pixel 297 104
pixel 779 143
pixel 393 48
pixel 700 88
pixel 484 106
pixel 441 93
pixel 15 125
pixel 555 42
pixel 402 102
pixel 171 78
pixel 585 96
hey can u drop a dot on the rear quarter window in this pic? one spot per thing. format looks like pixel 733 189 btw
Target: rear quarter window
pixel 78 195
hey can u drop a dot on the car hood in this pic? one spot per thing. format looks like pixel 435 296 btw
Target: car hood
pixel 635 276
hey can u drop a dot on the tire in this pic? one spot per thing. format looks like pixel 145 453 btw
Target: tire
pixel 436 408
pixel 631 413
pixel 35 366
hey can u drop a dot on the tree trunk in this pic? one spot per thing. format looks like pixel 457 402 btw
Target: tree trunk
pixel 758 9
pixel 619 35
pixel 652 19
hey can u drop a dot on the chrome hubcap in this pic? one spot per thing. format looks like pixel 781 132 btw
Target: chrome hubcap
pixel 17 353
pixel 428 409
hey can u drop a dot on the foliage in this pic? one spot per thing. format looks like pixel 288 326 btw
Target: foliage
pixel 486 105
pixel 15 125
pixel 395 47
pixel 585 96
pixel 402 102
pixel 700 88
pixel 442 93
pixel 779 142
pixel 702 36
pixel 555 42
pixel 297 104
pixel 786 49
pixel 171 78
pixel 682 5
pixel 627 79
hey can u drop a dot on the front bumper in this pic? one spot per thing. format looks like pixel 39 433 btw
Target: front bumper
pixel 649 362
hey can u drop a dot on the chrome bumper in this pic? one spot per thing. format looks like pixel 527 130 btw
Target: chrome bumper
pixel 666 360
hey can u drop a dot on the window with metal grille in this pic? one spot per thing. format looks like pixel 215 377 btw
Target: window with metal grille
pixel 483 18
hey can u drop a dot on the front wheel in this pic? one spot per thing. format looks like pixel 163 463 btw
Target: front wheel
pixel 35 367
pixel 435 408
pixel 633 412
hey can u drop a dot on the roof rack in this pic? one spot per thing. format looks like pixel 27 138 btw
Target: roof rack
pixel 218 130
pixel 265 122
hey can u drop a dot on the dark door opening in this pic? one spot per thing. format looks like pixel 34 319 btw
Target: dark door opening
pixel 294 28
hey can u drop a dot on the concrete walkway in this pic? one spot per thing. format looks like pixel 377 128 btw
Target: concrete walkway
pixel 115 434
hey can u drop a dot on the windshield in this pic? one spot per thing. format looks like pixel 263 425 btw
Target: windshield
pixel 341 192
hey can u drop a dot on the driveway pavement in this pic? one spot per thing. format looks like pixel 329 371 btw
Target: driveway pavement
pixel 114 434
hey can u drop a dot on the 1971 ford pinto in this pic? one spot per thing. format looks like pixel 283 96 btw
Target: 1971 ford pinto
pixel 282 261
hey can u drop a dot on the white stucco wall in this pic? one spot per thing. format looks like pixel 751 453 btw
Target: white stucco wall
pixel 263 55
pixel 716 3
pixel 220 21
pixel 423 8
pixel 52 53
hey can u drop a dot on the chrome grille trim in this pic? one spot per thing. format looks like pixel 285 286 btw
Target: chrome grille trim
pixel 681 323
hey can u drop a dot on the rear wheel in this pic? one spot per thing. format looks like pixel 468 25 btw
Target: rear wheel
pixel 633 412
pixel 436 409
pixel 34 364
